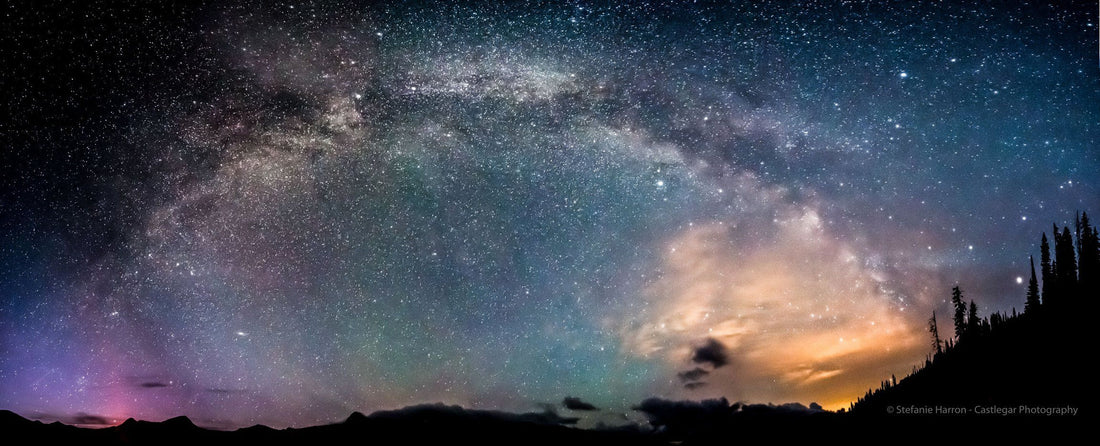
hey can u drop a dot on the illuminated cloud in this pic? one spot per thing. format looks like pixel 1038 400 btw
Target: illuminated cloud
pixel 800 314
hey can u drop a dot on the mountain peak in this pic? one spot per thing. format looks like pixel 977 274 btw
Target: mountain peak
pixel 355 417
pixel 180 421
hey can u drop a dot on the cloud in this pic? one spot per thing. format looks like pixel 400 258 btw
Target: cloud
pixel 574 403
pixel 77 419
pixel 693 374
pixel 685 416
pixel 82 418
pixel 780 409
pixel 794 312
pixel 548 417
pixel 691 378
pixel 711 416
pixel 711 352
pixel 438 410
pixel 149 381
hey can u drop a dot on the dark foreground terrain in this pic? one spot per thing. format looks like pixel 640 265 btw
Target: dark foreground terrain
pixel 450 425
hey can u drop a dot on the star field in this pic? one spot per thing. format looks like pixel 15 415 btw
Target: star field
pixel 282 213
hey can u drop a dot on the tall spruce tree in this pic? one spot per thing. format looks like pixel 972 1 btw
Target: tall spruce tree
pixel 937 344
pixel 1066 260
pixel 960 312
pixel 1088 258
pixel 1047 270
pixel 973 322
pixel 1031 305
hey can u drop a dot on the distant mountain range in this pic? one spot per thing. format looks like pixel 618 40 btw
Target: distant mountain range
pixel 672 422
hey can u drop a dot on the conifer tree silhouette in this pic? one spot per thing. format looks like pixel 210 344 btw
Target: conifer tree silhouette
pixel 1070 272
pixel 1047 270
pixel 960 311
pixel 1065 258
pixel 1088 258
pixel 973 322
pixel 937 344
pixel 1031 305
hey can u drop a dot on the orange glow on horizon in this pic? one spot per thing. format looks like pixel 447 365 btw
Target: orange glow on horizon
pixel 802 318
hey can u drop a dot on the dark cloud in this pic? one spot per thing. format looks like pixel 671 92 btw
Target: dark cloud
pixel 780 409
pixel 149 381
pixel 692 375
pixel 685 416
pixel 712 352
pixel 718 416
pixel 458 413
pixel 77 419
pixel 82 418
pixel 694 385
pixel 574 403
pixel 547 417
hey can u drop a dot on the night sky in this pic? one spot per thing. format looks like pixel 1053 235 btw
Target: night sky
pixel 283 213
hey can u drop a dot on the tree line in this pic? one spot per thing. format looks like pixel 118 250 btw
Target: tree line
pixel 1066 285
pixel 1069 275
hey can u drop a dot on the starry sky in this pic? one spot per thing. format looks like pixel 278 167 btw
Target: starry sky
pixel 283 212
